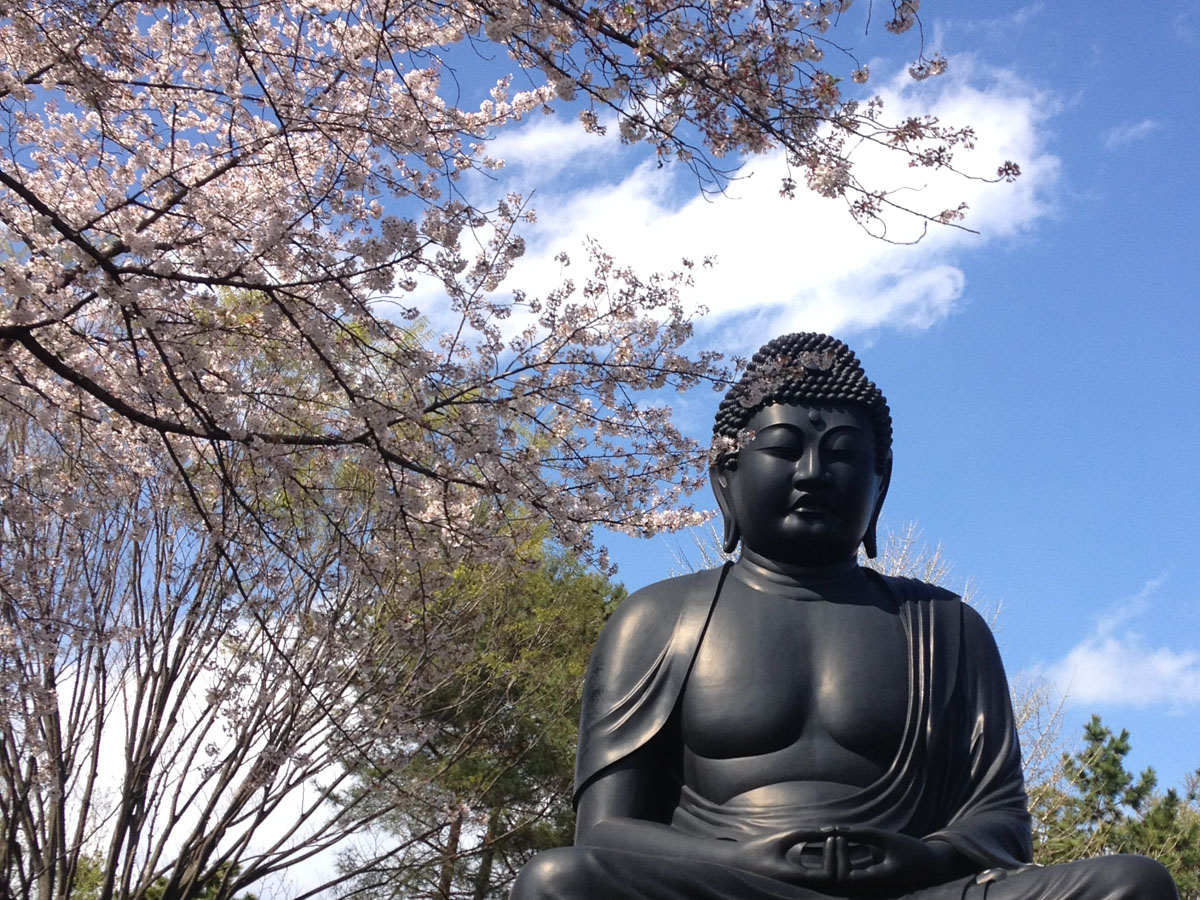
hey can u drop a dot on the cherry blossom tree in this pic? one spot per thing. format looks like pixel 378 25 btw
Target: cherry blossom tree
pixel 227 428
pixel 187 186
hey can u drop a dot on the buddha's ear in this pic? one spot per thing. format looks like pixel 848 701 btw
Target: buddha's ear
pixel 719 477
pixel 870 542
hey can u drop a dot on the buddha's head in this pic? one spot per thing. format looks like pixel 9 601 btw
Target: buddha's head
pixel 802 453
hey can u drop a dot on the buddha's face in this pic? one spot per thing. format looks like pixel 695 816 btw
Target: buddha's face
pixel 804 489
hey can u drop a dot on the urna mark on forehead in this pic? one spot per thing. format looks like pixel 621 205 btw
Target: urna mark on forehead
pixel 804 368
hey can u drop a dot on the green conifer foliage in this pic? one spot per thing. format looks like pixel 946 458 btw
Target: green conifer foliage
pixel 1096 806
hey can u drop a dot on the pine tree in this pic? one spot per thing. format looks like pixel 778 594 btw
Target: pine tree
pixel 488 782
pixel 1096 806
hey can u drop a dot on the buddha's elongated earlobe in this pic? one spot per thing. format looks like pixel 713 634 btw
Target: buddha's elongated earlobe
pixel 870 541
pixel 731 535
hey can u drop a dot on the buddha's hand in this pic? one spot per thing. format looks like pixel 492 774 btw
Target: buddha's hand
pixel 860 855
pixel 795 856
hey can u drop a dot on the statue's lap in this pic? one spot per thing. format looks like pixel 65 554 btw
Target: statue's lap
pixel 598 873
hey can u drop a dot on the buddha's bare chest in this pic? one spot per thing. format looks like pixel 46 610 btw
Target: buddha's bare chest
pixel 795 691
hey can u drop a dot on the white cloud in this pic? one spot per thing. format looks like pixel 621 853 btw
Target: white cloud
pixel 548 144
pixel 1126 671
pixel 1130 132
pixel 800 263
pixel 1117 666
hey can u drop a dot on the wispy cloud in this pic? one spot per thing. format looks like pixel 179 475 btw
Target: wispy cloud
pixel 548 144
pixel 1004 26
pixel 1128 608
pixel 800 263
pixel 1117 665
pixel 1183 27
pixel 1130 133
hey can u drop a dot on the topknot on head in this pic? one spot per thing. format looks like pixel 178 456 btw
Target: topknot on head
pixel 804 367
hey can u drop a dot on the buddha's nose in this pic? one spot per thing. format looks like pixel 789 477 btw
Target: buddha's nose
pixel 808 467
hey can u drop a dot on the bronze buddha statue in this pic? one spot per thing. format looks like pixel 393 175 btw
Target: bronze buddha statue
pixel 793 726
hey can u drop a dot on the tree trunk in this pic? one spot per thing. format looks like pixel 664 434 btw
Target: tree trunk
pixel 483 875
pixel 451 853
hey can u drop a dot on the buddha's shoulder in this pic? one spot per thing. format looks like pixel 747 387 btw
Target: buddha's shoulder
pixel 647 618
pixel 904 589
pixel 973 626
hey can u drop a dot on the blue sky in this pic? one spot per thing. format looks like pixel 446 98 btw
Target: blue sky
pixel 1042 374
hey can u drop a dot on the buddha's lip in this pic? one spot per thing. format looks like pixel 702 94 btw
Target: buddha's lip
pixel 811 503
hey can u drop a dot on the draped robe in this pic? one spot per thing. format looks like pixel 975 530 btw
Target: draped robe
pixel 956 775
